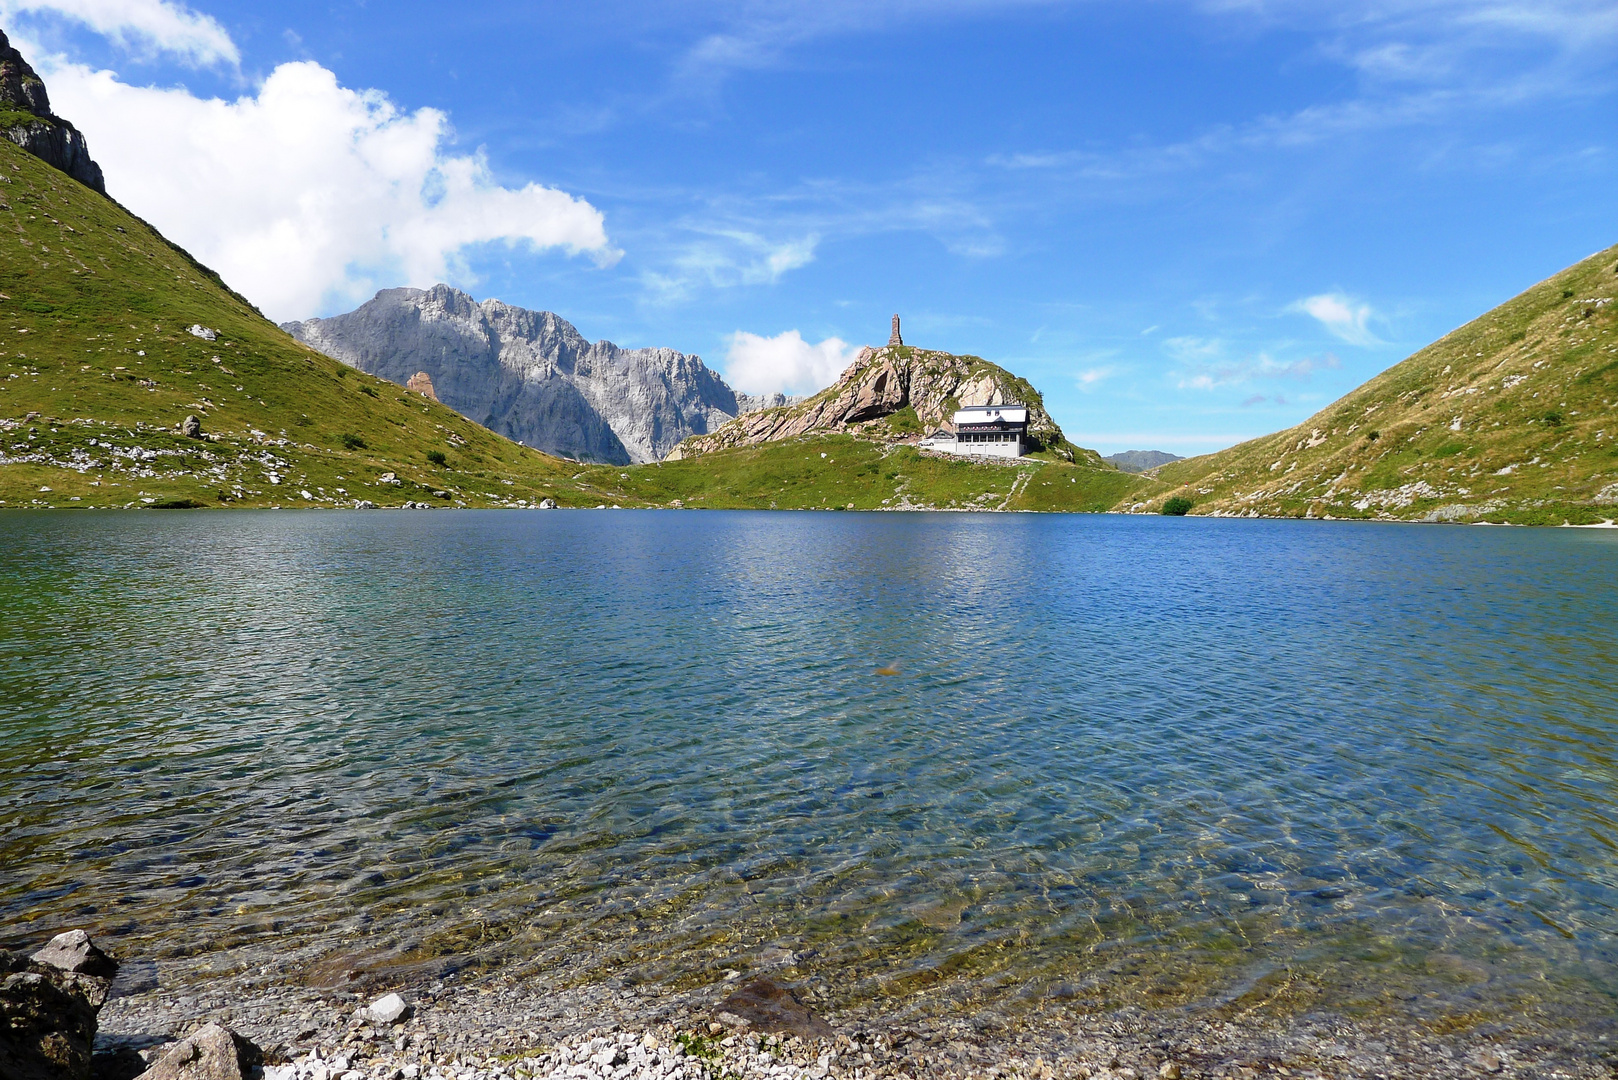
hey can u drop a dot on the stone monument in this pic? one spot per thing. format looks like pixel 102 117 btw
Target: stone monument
pixel 894 338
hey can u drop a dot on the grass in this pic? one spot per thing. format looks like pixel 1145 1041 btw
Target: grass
pixel 97 368
pixel 849 472
pixel 1512 418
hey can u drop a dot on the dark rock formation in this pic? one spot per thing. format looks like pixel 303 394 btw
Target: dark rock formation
pixel 529 375
pixel 766 1005
pixel 48 1009
pixel 211 1052
pixel 26 119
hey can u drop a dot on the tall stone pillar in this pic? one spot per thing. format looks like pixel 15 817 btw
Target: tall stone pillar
pixel 894 338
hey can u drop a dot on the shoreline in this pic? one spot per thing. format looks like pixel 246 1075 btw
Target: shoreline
pixel 498 1027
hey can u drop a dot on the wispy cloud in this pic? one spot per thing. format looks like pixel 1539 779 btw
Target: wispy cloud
pixel 1212 376
pixel 1342 316
pixel 1092 377
pixel 725 258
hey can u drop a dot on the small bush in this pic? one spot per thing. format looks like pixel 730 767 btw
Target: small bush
pixel 367 390
pixel 436 457
pixel 1179 506
pixel 303 421
pixel 1553 418
pixel 354 442
pixel 1567 294
pixel 1373 435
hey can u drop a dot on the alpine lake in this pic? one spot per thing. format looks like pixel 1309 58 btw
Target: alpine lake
pixel 944 761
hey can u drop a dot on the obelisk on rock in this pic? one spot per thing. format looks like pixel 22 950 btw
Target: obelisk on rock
pixel 894 338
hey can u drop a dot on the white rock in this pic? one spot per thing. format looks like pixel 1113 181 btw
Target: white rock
pixel 389 1009
pixel 203 332
pixel 280 1072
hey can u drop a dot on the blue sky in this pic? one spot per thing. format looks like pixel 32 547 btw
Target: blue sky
pixel 1188 223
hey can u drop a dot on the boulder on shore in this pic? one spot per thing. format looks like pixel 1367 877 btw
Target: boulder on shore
pixel 75 952
pixel 212 1052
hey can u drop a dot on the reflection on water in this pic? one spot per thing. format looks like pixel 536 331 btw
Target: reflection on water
pixel 1152 761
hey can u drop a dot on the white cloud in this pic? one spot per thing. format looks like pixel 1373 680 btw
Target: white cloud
pixel 140 26
pixel 1341 316
pixel 309 194
pixel 786 362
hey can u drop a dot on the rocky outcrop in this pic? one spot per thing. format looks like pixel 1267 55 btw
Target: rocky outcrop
pixel 48 1007
pixel 26 119
pixel 880 383
pixel 421 383
pixel 529 375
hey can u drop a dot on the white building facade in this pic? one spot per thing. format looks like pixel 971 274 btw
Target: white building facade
pixel 984 431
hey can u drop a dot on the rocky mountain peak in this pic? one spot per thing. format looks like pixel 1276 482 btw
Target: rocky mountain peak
pixel 529 375
pixel 26 119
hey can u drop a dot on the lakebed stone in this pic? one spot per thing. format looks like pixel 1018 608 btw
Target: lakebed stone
pixel 766 1005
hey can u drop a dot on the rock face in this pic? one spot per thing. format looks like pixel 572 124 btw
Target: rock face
pixel 529 375
pixel 48 1007
pixel 211 1052
pixel 880 383
pixel 26 119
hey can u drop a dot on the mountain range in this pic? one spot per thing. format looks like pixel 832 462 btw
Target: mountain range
pixel 530 375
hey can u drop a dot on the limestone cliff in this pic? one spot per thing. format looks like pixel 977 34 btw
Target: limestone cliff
pixel 26 119
pixel 877 387
pixel 529 375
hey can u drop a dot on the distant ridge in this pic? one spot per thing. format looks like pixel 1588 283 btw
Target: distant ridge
pixel 1138 461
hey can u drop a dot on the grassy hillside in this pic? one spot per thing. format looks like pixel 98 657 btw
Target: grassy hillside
pixel 95 308
pixel 1511 418
pixel 842 471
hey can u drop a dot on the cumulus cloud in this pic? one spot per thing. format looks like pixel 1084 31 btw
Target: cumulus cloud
pixel 1212 376
pixel 1343 317
pixel 785 362
pixel 308 195
pixel 140 26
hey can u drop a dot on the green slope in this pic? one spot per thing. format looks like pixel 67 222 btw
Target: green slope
pixel 94 309
pixel 1511 418
pixel 844 471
